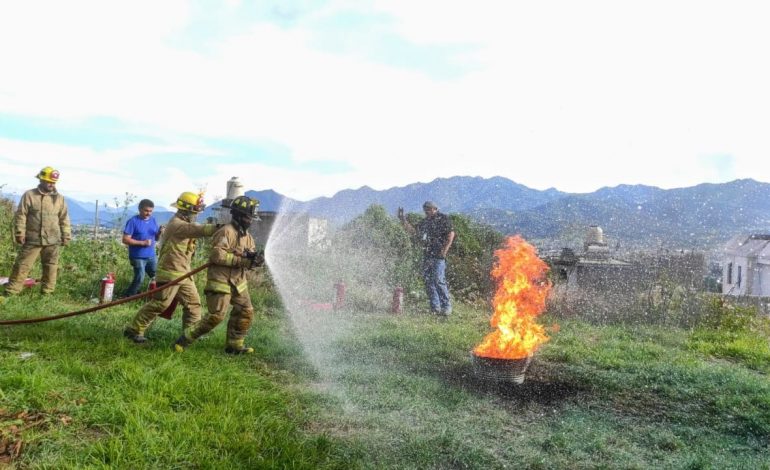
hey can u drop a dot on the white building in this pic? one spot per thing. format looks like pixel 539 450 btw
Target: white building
pixel 746 266
pixel 595 267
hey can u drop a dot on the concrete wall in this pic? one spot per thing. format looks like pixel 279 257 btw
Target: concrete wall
pixel 739 266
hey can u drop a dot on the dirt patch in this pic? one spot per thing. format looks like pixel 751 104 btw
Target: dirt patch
pixel 539 386
pixel 14 424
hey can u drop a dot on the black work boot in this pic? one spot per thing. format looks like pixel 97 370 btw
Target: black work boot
pixel 134 336
pixel 181 344
pixel 241 350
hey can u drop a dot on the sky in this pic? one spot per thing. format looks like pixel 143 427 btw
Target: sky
pixel 312 97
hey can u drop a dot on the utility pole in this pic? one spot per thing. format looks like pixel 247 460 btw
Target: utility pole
pixel 96 220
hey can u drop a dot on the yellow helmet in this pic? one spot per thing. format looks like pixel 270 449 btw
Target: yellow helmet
pixel 190 202
pixel 48 174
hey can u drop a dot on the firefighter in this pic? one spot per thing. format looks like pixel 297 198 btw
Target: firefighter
pixel 233 254
pixel 176 252
pixel 41 225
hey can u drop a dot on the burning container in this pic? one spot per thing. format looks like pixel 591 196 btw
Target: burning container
pixel 500 370
pixel 522 289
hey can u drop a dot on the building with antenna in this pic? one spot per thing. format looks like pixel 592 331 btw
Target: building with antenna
pixel 594 267
pixel 234 189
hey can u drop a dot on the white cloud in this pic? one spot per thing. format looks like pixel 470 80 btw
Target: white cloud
pixel 88 174
pixel 575 95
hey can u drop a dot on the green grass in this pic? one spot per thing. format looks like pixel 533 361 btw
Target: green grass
pixel 147 407
pixel 393 392
pixel 594 396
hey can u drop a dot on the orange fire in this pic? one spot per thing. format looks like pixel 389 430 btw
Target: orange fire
pixel 522 290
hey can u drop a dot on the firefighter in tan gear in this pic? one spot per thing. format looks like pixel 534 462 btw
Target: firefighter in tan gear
pixel 233 254
pixel 41 225
pixel 176 252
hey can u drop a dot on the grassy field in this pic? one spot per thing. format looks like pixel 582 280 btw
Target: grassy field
pixel 383 392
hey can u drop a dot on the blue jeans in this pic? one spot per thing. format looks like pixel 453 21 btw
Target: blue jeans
pixel 141 266
pixel 434 274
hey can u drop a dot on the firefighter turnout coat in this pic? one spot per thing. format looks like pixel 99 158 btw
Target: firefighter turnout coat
pixel 178 246
pixel 227 267
pixel 42 219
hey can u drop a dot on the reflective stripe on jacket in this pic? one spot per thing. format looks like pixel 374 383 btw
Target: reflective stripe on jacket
pixel 227 269
pixel 42 219
pixel 177 246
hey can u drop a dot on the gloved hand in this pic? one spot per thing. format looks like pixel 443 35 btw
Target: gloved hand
pixel 257 258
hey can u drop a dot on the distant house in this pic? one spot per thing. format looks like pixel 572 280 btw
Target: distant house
pixel 594 267
pixel 296 231
pixel 746 266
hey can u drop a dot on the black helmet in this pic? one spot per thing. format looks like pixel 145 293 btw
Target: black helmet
pixel 244 205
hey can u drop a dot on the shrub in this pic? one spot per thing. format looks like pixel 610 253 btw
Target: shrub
pixel 470 259
pixel 373 255
pixel 386 256
pixel 83 263
pixel 723 315
pixel 7 245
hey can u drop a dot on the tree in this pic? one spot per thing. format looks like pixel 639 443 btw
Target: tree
pixel 388 256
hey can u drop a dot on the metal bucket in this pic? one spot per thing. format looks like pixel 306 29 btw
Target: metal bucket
pixel 500 370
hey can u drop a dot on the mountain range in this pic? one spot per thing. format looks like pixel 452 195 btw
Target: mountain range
pixel 632 216
pixel 702 216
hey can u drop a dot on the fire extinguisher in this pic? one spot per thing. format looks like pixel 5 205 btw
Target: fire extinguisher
pixel 339 298
pixel 398 300
pixel 108 287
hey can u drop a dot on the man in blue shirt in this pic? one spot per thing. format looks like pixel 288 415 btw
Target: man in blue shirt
pixel 140 235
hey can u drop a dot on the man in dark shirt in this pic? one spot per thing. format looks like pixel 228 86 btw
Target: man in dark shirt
pixel 436 234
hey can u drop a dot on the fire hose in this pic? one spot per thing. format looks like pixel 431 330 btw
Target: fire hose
pixel 107 305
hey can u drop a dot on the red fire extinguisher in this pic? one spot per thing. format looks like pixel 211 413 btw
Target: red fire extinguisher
pixel 398 300
pixel 339 298
pixel 108 287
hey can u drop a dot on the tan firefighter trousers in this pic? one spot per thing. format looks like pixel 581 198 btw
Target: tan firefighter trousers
pixel 240 317
pixel 49 257
pixel 185 292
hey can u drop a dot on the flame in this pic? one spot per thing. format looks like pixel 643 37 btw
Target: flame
pixel 522 290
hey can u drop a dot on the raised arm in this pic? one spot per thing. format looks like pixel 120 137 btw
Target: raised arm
pixel 405 223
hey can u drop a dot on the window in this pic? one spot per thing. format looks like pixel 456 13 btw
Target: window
pixel 729 273
pixel 739 276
